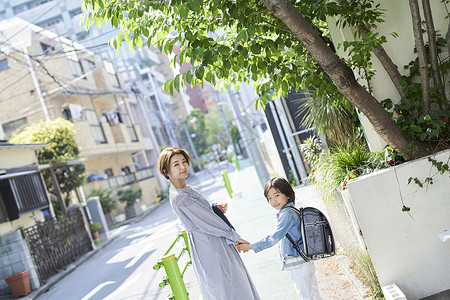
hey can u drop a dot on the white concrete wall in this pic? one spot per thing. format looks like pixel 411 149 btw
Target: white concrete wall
pixel 405 248
pixel 397 18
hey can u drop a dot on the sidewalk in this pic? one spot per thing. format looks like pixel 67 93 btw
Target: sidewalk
pixel 253 218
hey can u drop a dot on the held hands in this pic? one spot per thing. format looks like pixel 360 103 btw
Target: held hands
pixel 223 207
pixel 243 245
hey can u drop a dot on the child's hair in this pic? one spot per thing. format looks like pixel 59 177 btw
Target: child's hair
pixel 166 155
pixel 282 185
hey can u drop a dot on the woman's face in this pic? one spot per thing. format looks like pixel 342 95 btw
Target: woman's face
pixel 277 199
pixel 178 167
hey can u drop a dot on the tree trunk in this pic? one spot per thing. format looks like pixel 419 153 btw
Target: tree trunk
pixel 433 51
pixel 343 77
pixel 423 62
pixel 391 69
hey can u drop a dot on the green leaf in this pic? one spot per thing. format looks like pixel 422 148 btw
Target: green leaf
pixel 195 5
pixel 115 21
pixel 199 72
pixel 184 11
pixel 138 41
pixel 98 21
pixel 87 24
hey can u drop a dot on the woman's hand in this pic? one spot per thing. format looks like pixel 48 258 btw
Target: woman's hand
pixel 223 207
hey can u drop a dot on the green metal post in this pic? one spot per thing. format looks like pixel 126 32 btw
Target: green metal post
pixel 174 277
pixel 226 181
pixel 186 241
pixel 236 162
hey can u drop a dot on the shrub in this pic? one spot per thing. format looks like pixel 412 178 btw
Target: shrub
pixel 107 201
pixel 129 195
pixel 93 227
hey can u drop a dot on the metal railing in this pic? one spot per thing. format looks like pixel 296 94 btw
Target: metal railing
pixel 116 182
pixel 174 277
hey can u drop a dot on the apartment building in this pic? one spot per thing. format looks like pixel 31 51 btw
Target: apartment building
pixel 144 71
pixel 45 76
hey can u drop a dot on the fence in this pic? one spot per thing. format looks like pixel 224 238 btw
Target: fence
pixel 56 243
pixel 173 275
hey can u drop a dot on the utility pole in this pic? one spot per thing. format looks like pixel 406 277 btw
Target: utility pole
pixel 250 140
pixel 191 144
pixel 224 119
pixel 36 84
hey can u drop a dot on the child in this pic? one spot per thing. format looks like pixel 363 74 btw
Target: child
pixel 280 195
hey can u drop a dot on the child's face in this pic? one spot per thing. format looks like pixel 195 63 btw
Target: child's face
pixel 277 199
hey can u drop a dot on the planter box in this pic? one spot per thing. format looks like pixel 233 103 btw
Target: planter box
pixel 405 248
pixel 132 211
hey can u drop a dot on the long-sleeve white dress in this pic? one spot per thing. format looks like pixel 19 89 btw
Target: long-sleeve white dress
pixel 220 271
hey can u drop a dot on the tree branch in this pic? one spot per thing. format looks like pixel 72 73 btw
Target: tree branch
pixel 423 62
pixel 433 52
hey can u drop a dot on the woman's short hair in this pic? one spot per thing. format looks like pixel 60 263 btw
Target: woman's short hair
pixel 166 155
pixel 282 185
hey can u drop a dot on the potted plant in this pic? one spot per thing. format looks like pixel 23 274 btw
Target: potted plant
pixel 130 196
pixel 18 283
pixel 94 227
pixel 108 203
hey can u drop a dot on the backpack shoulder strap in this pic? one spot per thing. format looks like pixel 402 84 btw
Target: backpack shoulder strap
pixel 294 244
pixel 297 247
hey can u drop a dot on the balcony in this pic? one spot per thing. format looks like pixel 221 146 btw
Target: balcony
pixel 118 139
pixel 116 182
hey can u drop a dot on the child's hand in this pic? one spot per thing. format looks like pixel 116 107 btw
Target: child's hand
pixel 223 207
pixel 243 245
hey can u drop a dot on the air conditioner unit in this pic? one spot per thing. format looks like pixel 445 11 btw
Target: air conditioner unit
pixel 393 292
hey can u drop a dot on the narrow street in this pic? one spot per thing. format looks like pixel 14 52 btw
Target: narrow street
pixel 124 268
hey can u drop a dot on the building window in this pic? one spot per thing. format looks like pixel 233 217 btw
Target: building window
pixel 76 12
pixel 4 64
pixel 23 193
pixel 82 36
pixel 74 62
pixel 50 22
pixel 91 65
pixel 47 48
pixel 10 127
pixel 112 73
pixel 19 9
pixel 144 76
pixel 96 128
pixel 130 128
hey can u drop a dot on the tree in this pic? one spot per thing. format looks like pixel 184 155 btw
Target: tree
pixel 279 44
pixel 59 135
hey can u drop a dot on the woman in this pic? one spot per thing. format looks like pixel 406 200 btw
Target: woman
pixel 217 264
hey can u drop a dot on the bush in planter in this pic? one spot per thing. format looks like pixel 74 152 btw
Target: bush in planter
pixel 129 197
pixel 94 227
pixel 107 201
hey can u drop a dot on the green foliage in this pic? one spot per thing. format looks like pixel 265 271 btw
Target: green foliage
pixel 93 227
pixel 312 148
pixel 332 169
pixel 58 134
pixel 107 201
pixel 334 116
pixel 291 178
pixel 251 46
pixel 129 195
